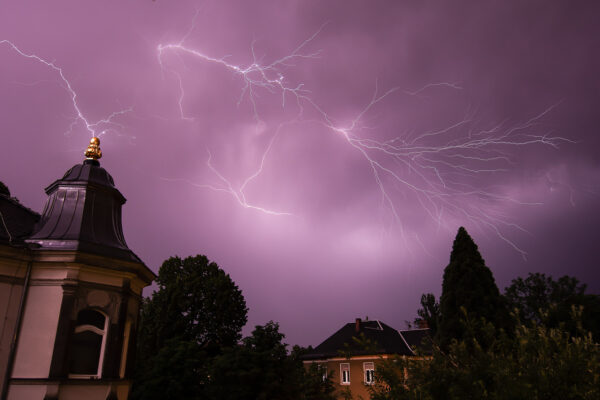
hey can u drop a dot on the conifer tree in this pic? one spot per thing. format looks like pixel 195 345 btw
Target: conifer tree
pixel 468 287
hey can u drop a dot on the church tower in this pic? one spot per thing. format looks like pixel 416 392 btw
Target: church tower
pixel 78 291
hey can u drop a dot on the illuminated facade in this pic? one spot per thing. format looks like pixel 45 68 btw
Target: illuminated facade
pixel 70 291
pixel 350 356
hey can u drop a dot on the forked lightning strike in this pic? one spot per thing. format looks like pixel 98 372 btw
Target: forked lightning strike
pixel 255 76
pixel 227 187
pixel 97 128
pixel 432 165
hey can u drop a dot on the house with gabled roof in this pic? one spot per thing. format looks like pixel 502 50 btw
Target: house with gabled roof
pixel 350 356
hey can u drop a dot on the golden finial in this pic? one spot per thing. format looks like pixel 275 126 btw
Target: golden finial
pixel 93 151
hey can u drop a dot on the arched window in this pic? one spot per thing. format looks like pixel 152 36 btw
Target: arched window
pixel 86 349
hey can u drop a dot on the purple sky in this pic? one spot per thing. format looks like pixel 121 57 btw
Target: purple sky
pixel 329 172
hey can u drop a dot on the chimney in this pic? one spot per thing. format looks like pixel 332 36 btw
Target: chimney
pixel 422 324
pixel 357 325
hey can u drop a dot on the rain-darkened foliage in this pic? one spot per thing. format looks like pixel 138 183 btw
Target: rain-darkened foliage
pixel 429 312
pixel 196 300
pixel 196 312
pixel 260 368
pixel 189 344
pixel 534 362
pixel 539 298
pixel 468 284
pixel 545 351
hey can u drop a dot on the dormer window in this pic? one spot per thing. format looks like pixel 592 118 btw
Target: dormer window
pixel 86 349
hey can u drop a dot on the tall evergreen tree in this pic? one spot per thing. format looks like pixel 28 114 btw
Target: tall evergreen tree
pixel 468 287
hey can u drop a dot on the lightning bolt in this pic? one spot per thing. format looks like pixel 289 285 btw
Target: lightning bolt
pixel 435 166
pixel 254 76
pixel 97 128
pixel 227 187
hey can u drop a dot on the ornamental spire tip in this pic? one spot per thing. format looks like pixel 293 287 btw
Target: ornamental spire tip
pixel 93 151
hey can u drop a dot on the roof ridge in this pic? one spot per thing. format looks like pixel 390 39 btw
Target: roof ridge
pixel 15 201
pixel 405 342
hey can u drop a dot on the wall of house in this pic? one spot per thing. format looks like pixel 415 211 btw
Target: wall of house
pixel 22 392
pixel 38 331
pixel 357 379
pixel 12 274
pixel 93 391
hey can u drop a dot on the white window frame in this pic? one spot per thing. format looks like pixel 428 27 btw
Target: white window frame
pixel 369 379
pixel 97 331
pixel 343 380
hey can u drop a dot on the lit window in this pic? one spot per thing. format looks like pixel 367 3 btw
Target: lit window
pixel 369 371
pixel 345 373
pixel 87 345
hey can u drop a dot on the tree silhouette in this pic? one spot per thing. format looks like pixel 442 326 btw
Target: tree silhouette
pixel 196 313
pixel 468 286
pixel 539 298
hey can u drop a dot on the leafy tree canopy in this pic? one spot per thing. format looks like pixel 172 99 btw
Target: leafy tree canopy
pixel 189 344
pixel 536 362
pixel 539 298
pixel 173 373
pixel 429 312
pixel 195 313
pixel 261 369
pixel 197 301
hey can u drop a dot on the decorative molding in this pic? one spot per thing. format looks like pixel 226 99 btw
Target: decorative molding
pixel 13 280
pixel 66 381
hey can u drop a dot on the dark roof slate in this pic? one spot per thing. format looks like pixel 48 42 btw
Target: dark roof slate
pixel 385 340
pixel 83 212
pixel 16 221
pixel 419 340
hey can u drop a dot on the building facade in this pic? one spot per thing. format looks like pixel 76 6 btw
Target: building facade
pixel 70 291
pixel 350 356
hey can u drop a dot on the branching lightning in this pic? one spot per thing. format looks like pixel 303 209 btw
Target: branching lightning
pixel 97 128
pixel 227 187
pixel 436 166
pixel 254 76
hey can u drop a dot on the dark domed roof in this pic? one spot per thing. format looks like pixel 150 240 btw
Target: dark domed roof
pixel 83 212
pixel 89 171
